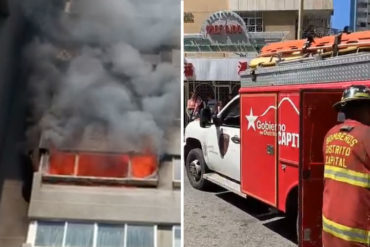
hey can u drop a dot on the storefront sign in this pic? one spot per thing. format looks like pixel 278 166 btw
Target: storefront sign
pixel 227 29
pixel 224 27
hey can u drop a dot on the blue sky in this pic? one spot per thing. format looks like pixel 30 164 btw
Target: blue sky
pixel 341 14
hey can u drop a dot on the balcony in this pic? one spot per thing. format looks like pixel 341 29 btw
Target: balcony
pixel 99 168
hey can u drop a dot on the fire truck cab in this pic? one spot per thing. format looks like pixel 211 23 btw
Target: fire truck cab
pixel 267 142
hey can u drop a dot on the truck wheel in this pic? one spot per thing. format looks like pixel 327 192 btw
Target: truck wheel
pixel 195 169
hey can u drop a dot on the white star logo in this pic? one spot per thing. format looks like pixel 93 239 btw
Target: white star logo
pixel 251 119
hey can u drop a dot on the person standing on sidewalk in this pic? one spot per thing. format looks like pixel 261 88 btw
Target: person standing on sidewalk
pixel 194 104
pixel 346 197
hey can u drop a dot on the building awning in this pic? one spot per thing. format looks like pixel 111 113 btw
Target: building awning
pixel 214 69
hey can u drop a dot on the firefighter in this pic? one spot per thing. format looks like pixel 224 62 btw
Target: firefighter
pixel 346 198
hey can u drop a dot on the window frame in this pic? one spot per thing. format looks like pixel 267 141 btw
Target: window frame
pixel 223 115
pixel 254 21
pixel 32 231
pixel 174 227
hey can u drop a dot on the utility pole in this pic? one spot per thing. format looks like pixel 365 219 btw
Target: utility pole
pixel 300 19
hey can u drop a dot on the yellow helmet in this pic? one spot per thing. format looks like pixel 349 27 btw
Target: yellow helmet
pixel 353 93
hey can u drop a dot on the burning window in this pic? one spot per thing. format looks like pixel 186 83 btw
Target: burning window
pixel 100 165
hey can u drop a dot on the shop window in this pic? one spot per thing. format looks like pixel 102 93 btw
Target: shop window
pixel 203 90
pixel 176 232
pixel 72 234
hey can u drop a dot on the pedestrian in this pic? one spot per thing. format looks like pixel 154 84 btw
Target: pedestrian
pixel 212 104
pixel 346 197
pixel 193 105
pixel 199 105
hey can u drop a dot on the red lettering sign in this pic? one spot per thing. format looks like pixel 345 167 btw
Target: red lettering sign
pixel 188 70
pixel 221 29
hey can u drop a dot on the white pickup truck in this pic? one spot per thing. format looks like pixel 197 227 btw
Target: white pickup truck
pixel 212 148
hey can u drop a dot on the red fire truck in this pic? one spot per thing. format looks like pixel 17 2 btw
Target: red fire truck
pixel 267 142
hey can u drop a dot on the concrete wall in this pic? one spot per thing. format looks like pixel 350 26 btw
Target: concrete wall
pixel 201 10
pixel 159 205
pixel 270 5
pixel 164 236
pixel 281 21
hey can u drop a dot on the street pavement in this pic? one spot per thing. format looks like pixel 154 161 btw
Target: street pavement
pixel 220 218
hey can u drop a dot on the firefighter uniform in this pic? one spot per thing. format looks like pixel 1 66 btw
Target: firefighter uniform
pixel 346 198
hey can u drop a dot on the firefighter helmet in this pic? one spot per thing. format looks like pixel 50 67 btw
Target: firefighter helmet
pixel 353 93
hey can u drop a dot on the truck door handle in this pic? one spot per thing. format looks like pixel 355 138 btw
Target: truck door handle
pixel 270 149
pixel 235 139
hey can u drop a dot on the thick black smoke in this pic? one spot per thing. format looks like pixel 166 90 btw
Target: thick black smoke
pixel 90 84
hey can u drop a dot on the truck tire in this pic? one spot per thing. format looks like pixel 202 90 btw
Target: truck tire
pixel 195 169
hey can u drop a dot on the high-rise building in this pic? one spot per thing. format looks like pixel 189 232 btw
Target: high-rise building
pixel 360 18
pixel 264 16
pixel 115 205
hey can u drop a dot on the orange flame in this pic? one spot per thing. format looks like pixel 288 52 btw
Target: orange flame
pixel 101 165
pixel 143 165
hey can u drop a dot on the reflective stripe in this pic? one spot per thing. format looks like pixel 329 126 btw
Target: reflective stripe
pixel 347 176
pixel 345 232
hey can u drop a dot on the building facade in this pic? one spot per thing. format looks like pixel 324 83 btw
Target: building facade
pixel 77 209
pixel 264 15
pixel 360 17
pixel 97 210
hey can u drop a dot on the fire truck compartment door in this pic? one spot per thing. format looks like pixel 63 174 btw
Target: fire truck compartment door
pixel 316 119
pixel 223 143
pixel 259 146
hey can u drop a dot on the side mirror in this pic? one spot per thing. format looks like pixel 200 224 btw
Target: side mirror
pixel 217 121
pixel 204 117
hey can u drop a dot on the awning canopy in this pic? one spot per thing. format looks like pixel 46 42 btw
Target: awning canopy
pixel 215 69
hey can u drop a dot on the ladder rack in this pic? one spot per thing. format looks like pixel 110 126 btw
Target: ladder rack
pixel 351 67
